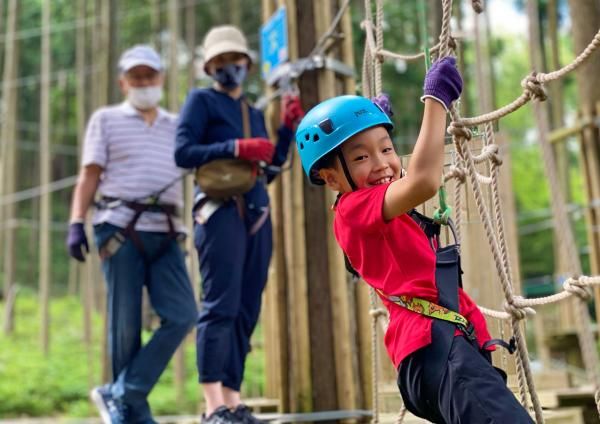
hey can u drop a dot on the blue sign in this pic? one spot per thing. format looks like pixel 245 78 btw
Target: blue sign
pixel 274 42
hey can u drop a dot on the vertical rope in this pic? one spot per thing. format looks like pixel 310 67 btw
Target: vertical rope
pixel 445 30
pixel 366 74
pixel 458 163
pixel 379 43
pixel 401 414
pixel 375 353
pixel 504 277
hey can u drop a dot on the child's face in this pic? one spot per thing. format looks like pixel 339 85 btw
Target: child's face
pixel 371 160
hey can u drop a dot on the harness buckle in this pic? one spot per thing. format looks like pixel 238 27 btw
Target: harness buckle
pixel 468 331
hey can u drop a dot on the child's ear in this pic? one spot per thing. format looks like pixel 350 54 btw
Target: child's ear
pixel 331 178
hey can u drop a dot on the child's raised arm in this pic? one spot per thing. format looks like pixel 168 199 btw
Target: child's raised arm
pixel 443 85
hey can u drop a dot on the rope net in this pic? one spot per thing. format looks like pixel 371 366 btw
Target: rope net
pixel 516 308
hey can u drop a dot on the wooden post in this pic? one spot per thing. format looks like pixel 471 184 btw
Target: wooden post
pixel 8 137
pixel 308 300
pixel 173 90
pixel 275 313
pixel 316 87
pixel 45 178
pixel 585 15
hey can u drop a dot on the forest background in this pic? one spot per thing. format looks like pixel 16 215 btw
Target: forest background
pixel 36 383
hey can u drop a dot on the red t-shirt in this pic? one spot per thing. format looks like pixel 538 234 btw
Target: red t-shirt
pixel 396 258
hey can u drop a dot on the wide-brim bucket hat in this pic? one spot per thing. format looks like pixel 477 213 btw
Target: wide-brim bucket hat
pixel 224 39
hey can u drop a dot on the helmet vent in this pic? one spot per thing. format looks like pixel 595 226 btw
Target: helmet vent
pixel 326 126
pixel 306 136
pixel 301 145
pixel 315 138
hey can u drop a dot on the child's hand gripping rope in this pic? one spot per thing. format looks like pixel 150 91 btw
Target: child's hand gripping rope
pixel 443 82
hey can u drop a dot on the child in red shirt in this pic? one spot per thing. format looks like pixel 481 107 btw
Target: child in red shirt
pixel 437 337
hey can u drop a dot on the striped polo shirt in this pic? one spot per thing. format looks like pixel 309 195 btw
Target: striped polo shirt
pixel 137 161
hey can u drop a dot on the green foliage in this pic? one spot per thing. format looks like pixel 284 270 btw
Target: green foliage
pixel 32 384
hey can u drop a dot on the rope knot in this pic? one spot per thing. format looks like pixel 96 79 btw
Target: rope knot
pixel 459 130
pixel 534 87
pixel 492 153
pixel 516 311
pixel 377 313
pixel 452 44
pixel 457 173
pixel 577 285
pixel 477 5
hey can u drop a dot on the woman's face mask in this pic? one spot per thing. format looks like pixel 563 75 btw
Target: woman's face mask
pixel 230 76
pixel 144 98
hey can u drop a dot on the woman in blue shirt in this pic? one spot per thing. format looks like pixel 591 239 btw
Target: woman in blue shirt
pixel 233 237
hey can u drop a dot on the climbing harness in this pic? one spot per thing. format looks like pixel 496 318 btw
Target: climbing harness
pixel 147 204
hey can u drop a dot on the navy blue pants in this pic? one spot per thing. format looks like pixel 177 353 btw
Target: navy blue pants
pixel 136 368
pixel 470 390
pixel 234 266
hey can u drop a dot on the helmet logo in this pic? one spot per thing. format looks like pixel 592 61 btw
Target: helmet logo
pixel 360 112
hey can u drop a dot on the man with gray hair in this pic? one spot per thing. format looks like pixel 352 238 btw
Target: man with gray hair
pixel 128 160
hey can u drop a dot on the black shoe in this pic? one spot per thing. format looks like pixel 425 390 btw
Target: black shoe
pixel 221 415
pixel 244 415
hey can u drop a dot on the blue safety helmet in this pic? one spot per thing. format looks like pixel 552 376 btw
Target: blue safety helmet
pixel 331 123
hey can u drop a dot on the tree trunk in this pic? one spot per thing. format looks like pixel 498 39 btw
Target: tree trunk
pixel 45 178
pixel 9 141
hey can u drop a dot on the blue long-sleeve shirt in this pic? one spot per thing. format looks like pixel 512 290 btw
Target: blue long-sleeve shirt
pixel 210 122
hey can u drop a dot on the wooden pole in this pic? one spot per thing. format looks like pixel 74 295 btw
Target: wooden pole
pixel 9 140
pixel 100 98
pixel 555 103
pixel 82 111
pixel 111 34
pixel 45 178
pixel 275 313
pixel 585 15
pixel 315 87
pixel 173 89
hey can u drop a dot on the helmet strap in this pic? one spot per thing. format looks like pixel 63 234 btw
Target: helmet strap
pixel 345 168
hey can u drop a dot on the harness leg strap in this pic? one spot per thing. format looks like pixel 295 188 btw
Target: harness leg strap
pixel 447 275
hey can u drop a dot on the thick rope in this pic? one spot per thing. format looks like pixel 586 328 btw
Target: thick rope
pixel 524 371
pixel 379 46
pixel 375 313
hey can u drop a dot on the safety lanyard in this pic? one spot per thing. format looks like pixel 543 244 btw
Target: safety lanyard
pixel 427 308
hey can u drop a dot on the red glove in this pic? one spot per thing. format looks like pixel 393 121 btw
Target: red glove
pixel 291 111
pixel 254 149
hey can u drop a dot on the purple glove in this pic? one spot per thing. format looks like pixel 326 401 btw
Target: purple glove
pixel 76 241
pixel 443 82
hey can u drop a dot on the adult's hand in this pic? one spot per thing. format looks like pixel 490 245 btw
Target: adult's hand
pixel 77 241
pixel 254 149
pixel 291 111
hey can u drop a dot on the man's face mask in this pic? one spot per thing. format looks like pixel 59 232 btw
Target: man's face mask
pixel 145 97
pixel 230 76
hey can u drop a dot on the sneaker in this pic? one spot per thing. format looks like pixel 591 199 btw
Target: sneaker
pixel 244 414
pixel 221 415
pixel 112 411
